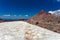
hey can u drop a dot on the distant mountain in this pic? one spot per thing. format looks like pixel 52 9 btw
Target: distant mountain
pixel 1 20
pixel 46 20
pixel 7 20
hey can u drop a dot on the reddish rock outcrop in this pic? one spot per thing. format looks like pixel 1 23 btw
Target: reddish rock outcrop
pixel 1 20
pixel 46 20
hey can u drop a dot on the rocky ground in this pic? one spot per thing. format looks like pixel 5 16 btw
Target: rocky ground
pixel 46 20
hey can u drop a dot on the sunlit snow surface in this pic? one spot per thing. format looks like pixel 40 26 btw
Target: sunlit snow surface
pixel 20 30
pixel 56 12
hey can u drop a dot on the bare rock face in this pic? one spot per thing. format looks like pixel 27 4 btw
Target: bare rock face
pixel 46 20
pixel 1 20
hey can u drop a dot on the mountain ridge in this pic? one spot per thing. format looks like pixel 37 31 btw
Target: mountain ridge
pixel 46 20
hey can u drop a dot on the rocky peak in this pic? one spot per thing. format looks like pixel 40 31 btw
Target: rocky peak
pixel 46 20
pixel 41 12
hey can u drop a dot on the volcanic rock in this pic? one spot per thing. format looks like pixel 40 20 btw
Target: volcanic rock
pixel 1 20
pixel 46 20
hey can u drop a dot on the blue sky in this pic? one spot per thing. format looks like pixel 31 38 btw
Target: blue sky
pixel 26 8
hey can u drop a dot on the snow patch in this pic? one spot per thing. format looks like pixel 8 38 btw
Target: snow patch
pixel 56 12
pixel 19 30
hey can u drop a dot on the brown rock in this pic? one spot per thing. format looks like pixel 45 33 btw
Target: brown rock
pixel 46 20
pixel 1 20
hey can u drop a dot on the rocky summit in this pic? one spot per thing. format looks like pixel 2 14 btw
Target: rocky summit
pixel 46 20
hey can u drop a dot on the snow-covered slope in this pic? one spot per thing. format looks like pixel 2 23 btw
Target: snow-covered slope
pixel 56 12
pixel 20 30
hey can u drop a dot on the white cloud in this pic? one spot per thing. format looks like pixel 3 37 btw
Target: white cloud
pixel 56 12
pixel 6 15
pixel 58 0
pixel 9 15
pixel 26 15
pixel 15 15
pixel 20 15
